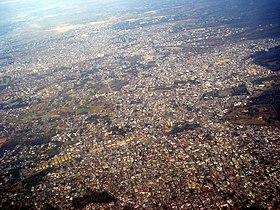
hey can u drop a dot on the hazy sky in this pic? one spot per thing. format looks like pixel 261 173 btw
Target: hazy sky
pixel 51 13
pixel 24 15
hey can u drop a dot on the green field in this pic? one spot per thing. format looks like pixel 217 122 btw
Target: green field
pixel 4 81
pixel 27 115
pixel 86 110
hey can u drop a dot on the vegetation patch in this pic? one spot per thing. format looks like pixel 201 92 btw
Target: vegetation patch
pixel 117 85
pixel 35 179
pixel 95 119
pixel 86 110
pixel 268 58
pixel 27 115
pixel 179 128
pixel 25 141
pixel 93 197
pixel 5 81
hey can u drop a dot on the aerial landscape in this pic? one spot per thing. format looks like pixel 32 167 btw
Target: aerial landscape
pixel 137 104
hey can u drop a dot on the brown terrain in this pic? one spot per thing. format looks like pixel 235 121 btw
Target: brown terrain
pixel 263 107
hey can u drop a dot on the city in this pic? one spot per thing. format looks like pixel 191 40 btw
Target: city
pixel 150 110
